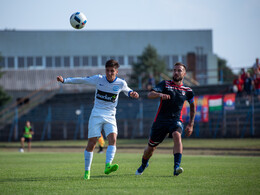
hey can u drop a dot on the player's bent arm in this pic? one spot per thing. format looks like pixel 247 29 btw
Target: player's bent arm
pixel 154 95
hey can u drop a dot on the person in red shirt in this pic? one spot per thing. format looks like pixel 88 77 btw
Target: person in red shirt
pixel 243 74
pixel 257 86
pixel 239 83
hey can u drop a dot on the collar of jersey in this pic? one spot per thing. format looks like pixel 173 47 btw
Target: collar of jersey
pixel 175 84
pixel 112 81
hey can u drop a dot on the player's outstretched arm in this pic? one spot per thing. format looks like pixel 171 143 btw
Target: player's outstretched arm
pixel 189 128
pixel 134 94
pixel 154 94
pixel 60 79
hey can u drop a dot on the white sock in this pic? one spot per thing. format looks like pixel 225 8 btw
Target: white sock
pixel 110 154
pixel 88 160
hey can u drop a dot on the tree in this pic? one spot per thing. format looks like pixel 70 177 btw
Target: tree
pixel 149 64
pixel 4 98
pixel 224 72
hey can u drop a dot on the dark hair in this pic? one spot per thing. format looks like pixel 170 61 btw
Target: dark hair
pixel 180 64
pixel 112 63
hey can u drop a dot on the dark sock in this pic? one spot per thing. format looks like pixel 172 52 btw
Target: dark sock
pixel 144 162
pixel 177 160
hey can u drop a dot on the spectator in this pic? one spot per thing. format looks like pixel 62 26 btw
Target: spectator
pixel 243 74
pixel 256 71
pixel 238 82
pixel 257 86
pixel 248 87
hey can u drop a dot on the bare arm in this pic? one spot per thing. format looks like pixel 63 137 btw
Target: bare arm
pixel 189 128
pixel 154 95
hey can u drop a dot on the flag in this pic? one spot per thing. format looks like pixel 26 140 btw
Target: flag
pixel 198 103
pixel 229 101
pixel 205 109
pixel 202 108
pixel 215 102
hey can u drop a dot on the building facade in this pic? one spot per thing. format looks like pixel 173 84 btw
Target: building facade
pixel 70 50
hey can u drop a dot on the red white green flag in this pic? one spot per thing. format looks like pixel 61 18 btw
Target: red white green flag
pixel 215 102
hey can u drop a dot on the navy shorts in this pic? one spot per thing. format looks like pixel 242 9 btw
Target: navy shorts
pixel 27 139
pixel 160 130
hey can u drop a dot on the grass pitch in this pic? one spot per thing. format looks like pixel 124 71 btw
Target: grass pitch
pixel 62 173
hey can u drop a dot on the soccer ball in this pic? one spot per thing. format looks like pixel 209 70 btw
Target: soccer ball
pixel 78 20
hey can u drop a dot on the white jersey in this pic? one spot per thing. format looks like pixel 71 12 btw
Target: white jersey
pixel 107 93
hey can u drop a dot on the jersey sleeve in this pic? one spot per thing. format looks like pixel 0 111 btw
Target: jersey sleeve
pixel 159 87
pixel 190 97
pixel 82 80
pixel 126 89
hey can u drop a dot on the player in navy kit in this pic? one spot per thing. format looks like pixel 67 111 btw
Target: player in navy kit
pixel 168 118
pixel 103 113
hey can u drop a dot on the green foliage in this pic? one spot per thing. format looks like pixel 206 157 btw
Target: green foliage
pixel 4 98
pixel 62 173
pixel 148 64
pixel 228 75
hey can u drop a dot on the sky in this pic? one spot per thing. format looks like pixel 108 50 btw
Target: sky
pixel 235 23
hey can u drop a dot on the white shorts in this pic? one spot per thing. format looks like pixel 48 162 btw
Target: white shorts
pixel 97 123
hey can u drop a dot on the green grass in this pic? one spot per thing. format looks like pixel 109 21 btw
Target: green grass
pixel 62 173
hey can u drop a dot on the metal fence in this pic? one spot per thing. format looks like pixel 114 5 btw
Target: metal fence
pixel 65 117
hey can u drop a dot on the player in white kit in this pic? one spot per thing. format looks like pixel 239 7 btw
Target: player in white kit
pixel 103 113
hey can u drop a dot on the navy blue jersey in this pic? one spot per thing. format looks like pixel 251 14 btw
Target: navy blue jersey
pixel 171 109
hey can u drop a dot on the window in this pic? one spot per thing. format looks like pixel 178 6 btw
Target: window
pixel 121 60
pixel 184 59
pixel 29 62
pixel 48 61
pixel 167 61
pixel 38 61
pixel 57 61
pixel 10 62
pixel 85 61
pixel 66 61
pixel 21 63
pixel 76 61
pixel 130 60
pixel 112 58
pixel 2 62
pixel 104 60
pixel 94 60
pixel 175 59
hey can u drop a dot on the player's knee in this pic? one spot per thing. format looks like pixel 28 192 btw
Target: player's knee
pixel 176 136
pixel 91 145
pixel 152 144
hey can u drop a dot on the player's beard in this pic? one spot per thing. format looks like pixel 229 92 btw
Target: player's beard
pixel 177 79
